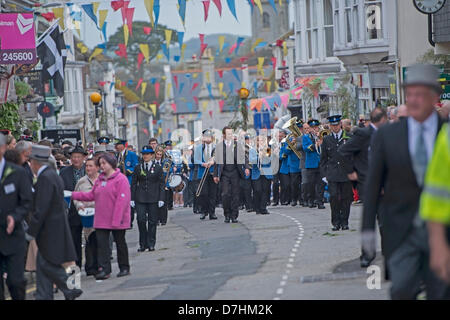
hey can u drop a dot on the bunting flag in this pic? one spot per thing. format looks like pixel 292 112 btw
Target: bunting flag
pixel 285 51
pixel 147 30
pixel 233 48
pixel 260 66
pixel 139 84
pixel 168 90
pixel 231 86
pixel 116 5
pixel 258 3
pixel 143 88
pixel 207 77
pixel 232 7
pixel 201 37
pixel 140 58
pixel 199 116
pixel 153 108
pixel 256 104
pixel 209 86
pixel 274 63
pixel 149 7
pixel 220 88
pixel 221 43
pixel 165 50
pixel 196 100
pixel 89 10
pixel 122 52
pixel 59 14
pixel 210 113
pixel 182 10
pixel 145 51
pixel 194 86
pixel 206 4
pixel 175 79
pixel 204 105
pixel 168 33
pixel 235 74
pixel 157 87
pixel 126 34
pixel 105 24
pixel 220 72
pixel 203 47
pixel 129 12
pixel 255 88
pixel 49 16
pixel 218 4
pixel 227 60
pixel 102 14
pixel 183 48
pixel 97 51
pixel 272 3
pixel 180 38
pixel 251 4
pixel 190 106
pixel 330 83
pixel 174 107
pixel 269 86
pixel 156 9
pixel 256 43
pixel 181 88
pixel 221 105
pixel 285 100
pixel 238 44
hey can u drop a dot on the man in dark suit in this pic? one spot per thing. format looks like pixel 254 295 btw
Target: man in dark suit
pixel 331 167
pixel 398 160
pixel 50 227
pixel 231 164
pixel 355 151
pixel 71 175
pixel 147 196
pixel 15 203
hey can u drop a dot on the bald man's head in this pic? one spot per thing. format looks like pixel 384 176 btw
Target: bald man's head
pixel 378 117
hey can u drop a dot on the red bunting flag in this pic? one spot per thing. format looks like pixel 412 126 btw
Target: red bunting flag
pixel 174 107
pixel 122 84
pixel 139 83
pixel 202 48
pixel 196 100
pixel 129 15
pixel 206 8
pixel 202 37
pixel 194 86
pixel 116 5
pixel 274 63
pixel 221 104
pixel 243 59
pixel 101 83
pixel 49 16
pixel 147 30
pixel 175 79
pixel 210 113
pixel 157 86
pixel 122 52
pixel 219 6
pixel 140 59
pixel 220 72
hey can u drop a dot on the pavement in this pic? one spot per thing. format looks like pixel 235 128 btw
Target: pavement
pixel 290 254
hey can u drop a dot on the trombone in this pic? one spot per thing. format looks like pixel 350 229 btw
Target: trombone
pixel 202 181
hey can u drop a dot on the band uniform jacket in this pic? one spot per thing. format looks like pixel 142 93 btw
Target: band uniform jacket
pixel 49 224
pixel 199 158
pixel 240 155
pixel 147 186
pixel 331 162
pixel 127 163
pixel 16 201
pixel 66 174
pixel 391 168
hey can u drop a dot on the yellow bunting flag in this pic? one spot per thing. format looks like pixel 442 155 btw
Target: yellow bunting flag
pixel 243 85
pixel 80 45
pixel 269 86
pixel 285 51
pixel 168 37
pixel 211 58
pixel 102 14
pixel 220 88
pixel 126 34
pixel 221 42
pixel 258 3
pixel 257 41
pixel 153 107
pixel 159 56
pixel 96 52
pixel 207 77
pixel 276 85
pixel 169 87
pixel 143 88
pixel 183 48
pixel 159 131
pixel 281 2
pixel 84 49
pixel 59 14
pixel 95 6
pixel 205 105
pixel 145 51
pixel 260 66
pixel 195 75
pixel 149 8
pixel 164 77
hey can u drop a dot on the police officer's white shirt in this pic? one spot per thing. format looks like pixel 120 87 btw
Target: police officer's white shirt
pixel 337 135
pixel 148 165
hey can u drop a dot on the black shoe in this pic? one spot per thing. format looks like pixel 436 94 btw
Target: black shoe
pixel 123 273
pixel 312 205
pixel 151 249
pixel 203 216
pixel 335 228
pixel 163 223
pixel 91 273
pixel 234 220
pixel 345 228
pixel 293 203
pixel 304 204
pixel 320 206
pixel 73 294
pixel 265 212
pixel 365 261
pixel 141 249
pixel 275 204
pixel 227 220
pixel 250 210
pixel 258 212
pixel 212 217
pixel 102 275
pixel 241 207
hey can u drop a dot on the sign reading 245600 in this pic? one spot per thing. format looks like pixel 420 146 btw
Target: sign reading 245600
pixel 18 44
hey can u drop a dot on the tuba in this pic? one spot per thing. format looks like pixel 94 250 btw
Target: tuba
pixel 291 125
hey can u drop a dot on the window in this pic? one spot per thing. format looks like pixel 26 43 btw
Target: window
pixel 312 29
pixel 336 19
pixel 356 36
pixel 328 27
pixel 266 20
pixel 73 91
pixel 348 21
pixel 372 10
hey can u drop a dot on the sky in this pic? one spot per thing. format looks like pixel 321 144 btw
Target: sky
pixel 195 23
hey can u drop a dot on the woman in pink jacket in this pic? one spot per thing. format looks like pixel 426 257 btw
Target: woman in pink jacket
pixel 111 193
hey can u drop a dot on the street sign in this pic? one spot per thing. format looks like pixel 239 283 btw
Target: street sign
pixel 18 44
pixel 57 135
pixel 444 79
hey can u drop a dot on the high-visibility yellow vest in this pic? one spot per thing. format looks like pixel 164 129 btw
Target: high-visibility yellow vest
pixel 435 198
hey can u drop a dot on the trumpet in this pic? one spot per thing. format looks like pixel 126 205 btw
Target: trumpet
pixel 323 133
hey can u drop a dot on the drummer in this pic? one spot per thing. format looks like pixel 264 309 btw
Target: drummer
pixel 85 184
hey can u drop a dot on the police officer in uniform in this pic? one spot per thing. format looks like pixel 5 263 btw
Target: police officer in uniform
pixel 104 141
pixel 314 184
pixel 332 167
pixel 147 196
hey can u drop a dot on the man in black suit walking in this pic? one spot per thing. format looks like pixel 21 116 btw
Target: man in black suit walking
pixel 231 165
pixel 15 203
pixel 398 160
pixel 50 227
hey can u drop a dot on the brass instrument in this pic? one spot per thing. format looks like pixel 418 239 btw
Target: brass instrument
pixel 323 133
pixel 167 167
pixel 291 125
pixel 203 179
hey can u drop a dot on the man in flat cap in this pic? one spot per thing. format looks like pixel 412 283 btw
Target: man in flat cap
pixel 399 155
pixel 15 203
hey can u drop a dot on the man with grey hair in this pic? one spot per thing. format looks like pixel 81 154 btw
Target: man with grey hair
pixel 24 148
pixel 15 203
pixel 49 225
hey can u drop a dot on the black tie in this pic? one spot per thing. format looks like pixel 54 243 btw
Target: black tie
pixel 146 167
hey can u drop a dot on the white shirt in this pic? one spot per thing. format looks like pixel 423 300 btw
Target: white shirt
pixel 337 135
pixel 148 164
pixel 373 126
pixel 40 170
pixel 228 143
pixel 430 131
pixel 2 167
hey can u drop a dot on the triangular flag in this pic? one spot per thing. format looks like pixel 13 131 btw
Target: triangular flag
pixel 140 58
pixel 180 38
pixel 183 48
pixel 274 63
pixel 255 44
pixel 126 34
pixel 174 107
pixel 157 86
pixel 272 3
pixel 153 108
pixel 168 33
pixel 209 86
pixel 181 88
pixel 260 66
pixel 285 100
pixel 258 3
pixel 139 84
pixel 221 104
pixel 182 10
pixel 129 14
pixel 149 7
pixel 219 6
pixel 49 16
pixel 207 77
pixel 206 4
pixel 116 5
pixel 235 74
pixel 143 88
pixel 201 37
pixel 221 43
pixel 97 51
pixel 95 5
pixel 269 86
pixel 168 90
pixel 238 44
pixel 147 30
pixel 145 51
pixel 102 14
pixel 175 79
pixel 203 47
pixel 255 88
pixel 156 9
pixel 204 105
pixel 233 48
pixel 194 86
pixel 232 7
pixel 59 14
pixel 285 50
pixel 220 88
pixel 220 72
pixel 196 100
pixel 210 113
pixel 89 9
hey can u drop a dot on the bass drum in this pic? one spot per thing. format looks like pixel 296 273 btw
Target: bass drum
pixel 176 183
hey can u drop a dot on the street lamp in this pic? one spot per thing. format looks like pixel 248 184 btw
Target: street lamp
pixel 243 95
pixel 96 98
